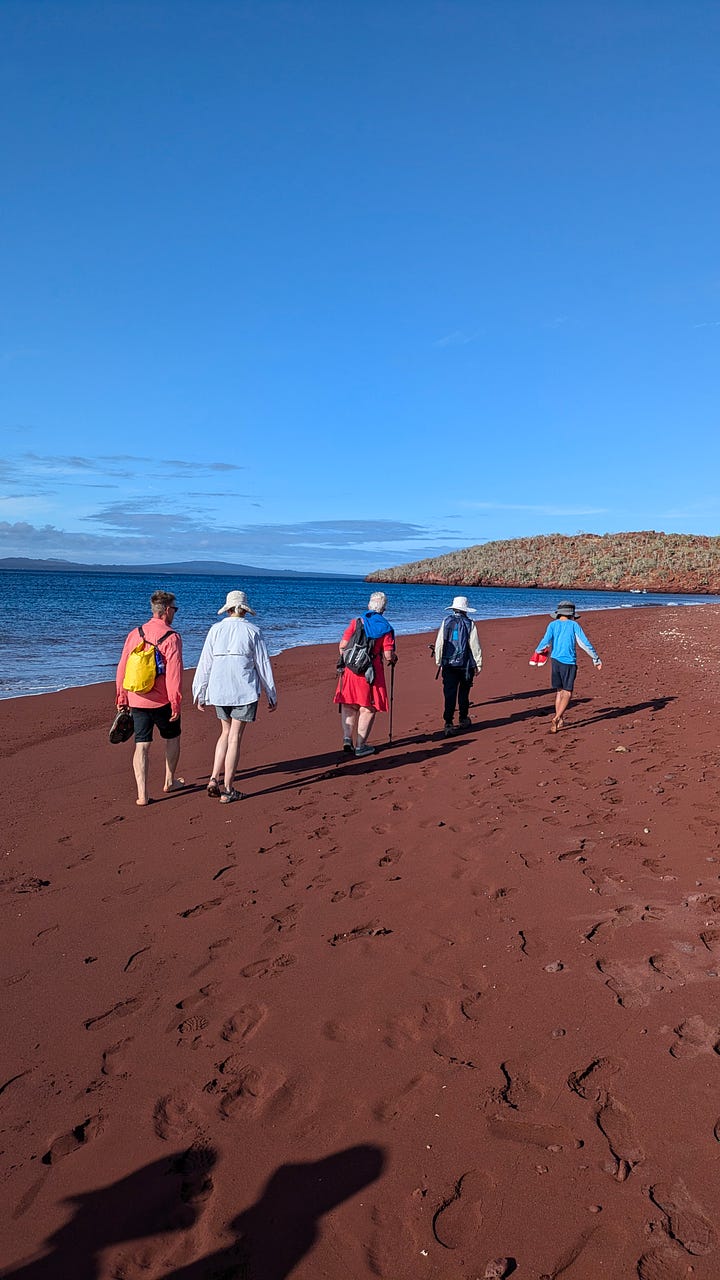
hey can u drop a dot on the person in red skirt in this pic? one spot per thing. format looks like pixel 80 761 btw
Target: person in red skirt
pixel 359 701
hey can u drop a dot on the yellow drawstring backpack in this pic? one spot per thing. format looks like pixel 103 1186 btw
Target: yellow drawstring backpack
pixel 144 664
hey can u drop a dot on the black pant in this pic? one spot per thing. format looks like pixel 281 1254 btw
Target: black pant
pixel 456 688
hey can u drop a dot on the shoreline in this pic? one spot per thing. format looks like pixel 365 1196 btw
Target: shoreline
pixel 469 984
pixel 314 644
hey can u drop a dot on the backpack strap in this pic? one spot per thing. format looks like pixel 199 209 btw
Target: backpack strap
pixel 155 643
pixel 448 624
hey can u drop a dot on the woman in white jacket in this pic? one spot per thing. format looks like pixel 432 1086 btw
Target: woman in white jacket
pixel 233 670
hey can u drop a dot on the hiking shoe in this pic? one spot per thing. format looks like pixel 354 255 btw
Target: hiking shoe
pixel 365 750
pixel 465 723
pixel 449 731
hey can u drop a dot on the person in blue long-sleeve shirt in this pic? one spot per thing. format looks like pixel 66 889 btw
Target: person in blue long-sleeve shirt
pixel 561 638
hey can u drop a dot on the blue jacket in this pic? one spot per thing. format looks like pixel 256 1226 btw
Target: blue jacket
pixel 562 635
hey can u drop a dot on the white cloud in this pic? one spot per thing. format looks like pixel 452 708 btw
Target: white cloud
pixel 458 338
pixel 550 509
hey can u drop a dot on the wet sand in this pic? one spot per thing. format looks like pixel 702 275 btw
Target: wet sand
pixel 406 1017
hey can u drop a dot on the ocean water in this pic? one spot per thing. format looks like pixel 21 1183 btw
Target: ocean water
pixel 61 630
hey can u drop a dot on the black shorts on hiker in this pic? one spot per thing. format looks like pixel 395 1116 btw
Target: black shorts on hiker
pixel 563 675
pixel 144 718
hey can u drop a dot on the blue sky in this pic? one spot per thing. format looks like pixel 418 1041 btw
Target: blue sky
pixel 333 286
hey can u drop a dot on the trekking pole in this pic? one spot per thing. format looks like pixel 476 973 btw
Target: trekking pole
pixel 392 695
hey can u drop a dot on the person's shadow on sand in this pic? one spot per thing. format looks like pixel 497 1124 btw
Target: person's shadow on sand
pixel 160 1198
pixel 630 709
pixel 275 1233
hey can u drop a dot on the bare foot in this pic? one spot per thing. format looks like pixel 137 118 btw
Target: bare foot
pixel 143 803
pixel 176 785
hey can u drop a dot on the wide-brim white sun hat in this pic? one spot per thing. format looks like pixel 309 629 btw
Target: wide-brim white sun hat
pixel 461 604
pixel 236 600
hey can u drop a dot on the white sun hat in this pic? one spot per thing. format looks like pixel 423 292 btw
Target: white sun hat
pixel 461 604
pixel 236 600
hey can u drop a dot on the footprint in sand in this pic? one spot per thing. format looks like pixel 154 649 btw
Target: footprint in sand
pixel 373 929
pixel 267 968
pixel 458 1219
pixel 616 1125
pixel 175 1116
pixel 248 1090
pixel 591 1083
pixel 686 1221
pixel 447 1048
pixel 195 1169
pixel 292 1108
pixel 471 1006
pixel 76 1138
pixel 190 1029
pixel 411 1027
pixel 614 1122
pixel 622 916
pixel 199 996
pixel 604 879
pixel 548 1136
pixel 317 882
pixel 343 1031
pixel 123 1009
pixel 284 920
pixel 519 1091
pixel 671 967
pixel 413 1095
pixel 625 983
pixel 286 1102
pixel 243 1024
pixel 212 955
pixel 391 1243
pixel 692 1037
pixel 113 1059
pixel 662 1264
pixel 200 909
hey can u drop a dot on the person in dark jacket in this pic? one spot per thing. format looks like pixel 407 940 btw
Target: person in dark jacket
pixel 459 657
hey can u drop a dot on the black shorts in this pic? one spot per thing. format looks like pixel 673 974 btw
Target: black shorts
pixel 563 675
pixel 144 718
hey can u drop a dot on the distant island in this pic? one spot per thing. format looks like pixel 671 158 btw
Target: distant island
pixel 668 562
pixel 205 568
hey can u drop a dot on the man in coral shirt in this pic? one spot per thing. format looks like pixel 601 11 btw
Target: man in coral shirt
pixel 159 706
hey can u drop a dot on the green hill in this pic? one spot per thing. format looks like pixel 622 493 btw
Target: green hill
pixel 674 562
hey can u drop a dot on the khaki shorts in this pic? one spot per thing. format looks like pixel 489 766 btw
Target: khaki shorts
pixel 246 713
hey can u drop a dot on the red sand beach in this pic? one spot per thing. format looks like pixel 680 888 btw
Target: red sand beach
pixel 450 1012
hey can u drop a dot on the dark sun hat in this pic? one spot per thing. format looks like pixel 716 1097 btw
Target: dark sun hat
pixel 566 609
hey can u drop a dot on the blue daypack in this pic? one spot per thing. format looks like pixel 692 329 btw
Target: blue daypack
pixel 456 644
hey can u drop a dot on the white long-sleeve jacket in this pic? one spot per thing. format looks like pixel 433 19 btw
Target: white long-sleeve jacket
pixel 234 666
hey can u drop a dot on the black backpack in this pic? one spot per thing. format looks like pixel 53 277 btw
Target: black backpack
pixel 456 644
pixel 358 656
